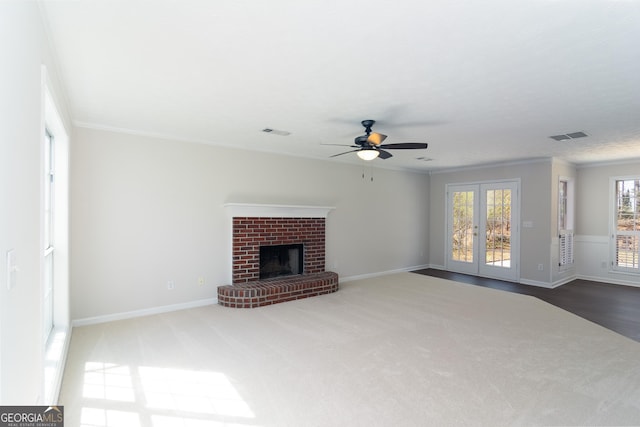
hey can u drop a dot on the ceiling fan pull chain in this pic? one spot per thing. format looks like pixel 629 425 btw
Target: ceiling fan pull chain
pixel 370 172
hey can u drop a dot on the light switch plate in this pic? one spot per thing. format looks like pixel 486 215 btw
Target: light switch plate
pixel 12 269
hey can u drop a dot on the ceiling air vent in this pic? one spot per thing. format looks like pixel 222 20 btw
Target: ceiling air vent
pixel 572 135
pixel 276 131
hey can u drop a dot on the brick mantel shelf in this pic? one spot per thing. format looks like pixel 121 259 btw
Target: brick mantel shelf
pixel 277 211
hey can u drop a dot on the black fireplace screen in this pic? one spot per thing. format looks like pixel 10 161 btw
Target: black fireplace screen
pixel 281 260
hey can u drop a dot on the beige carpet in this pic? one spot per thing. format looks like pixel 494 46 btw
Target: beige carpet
pixel 399 350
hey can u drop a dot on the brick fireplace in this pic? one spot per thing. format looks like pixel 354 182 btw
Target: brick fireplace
pixel 249 233
pixel 259 225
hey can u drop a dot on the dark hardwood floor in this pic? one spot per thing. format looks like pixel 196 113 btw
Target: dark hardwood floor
pixel 615 307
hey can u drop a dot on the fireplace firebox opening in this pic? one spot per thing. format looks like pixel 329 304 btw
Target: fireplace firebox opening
pixel 281 260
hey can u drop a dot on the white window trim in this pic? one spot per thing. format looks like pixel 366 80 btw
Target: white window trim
pixel 54 351
pixel 566 236
pixel 613 226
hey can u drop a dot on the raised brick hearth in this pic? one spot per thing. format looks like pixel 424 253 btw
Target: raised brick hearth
pixel 269 225
pixel 272 291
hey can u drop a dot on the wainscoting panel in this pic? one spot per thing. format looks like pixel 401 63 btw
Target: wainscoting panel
pixel 593 262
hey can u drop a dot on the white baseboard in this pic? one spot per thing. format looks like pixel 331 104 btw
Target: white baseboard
pixel 144 312
pixel 608 280
pixel 521 281
pixel 564 281
pixel 382 273
pixel 540 284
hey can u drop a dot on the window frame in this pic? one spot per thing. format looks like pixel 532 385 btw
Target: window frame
pixel 615 233
pixel 565 222
pixel 49 205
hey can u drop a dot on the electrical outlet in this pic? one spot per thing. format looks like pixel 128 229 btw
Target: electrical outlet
pixel 200 281
pixel 540 267
pixel 171 285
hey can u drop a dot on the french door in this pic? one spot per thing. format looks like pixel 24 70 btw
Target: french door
pixel 482 229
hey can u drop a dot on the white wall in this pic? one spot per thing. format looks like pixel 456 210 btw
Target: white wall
pixel 592 221
pixel 145 211
pixel 535 207
pixel 24 50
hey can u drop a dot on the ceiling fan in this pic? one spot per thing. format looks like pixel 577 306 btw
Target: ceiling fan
pixel 370 146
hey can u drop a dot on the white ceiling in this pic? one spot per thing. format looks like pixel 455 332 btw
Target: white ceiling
pixel 480 81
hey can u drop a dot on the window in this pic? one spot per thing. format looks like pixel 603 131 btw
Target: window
pixel 565 222
pixel 562 204
pixel 54 249
pixel 626 224
pixel 48 232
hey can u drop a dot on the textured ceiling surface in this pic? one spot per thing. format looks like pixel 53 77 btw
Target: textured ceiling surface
pixel 480 81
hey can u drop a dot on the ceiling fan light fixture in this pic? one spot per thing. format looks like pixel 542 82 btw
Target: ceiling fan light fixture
pixel 368 154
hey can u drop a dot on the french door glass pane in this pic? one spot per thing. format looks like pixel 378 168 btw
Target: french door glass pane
pixel 498 229
pixel 462 235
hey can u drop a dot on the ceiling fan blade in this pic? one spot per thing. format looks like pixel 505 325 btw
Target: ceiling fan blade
pixel 343 145
pixel 405 146
pixel 384 154
pixel 346 152
pixel 376 138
